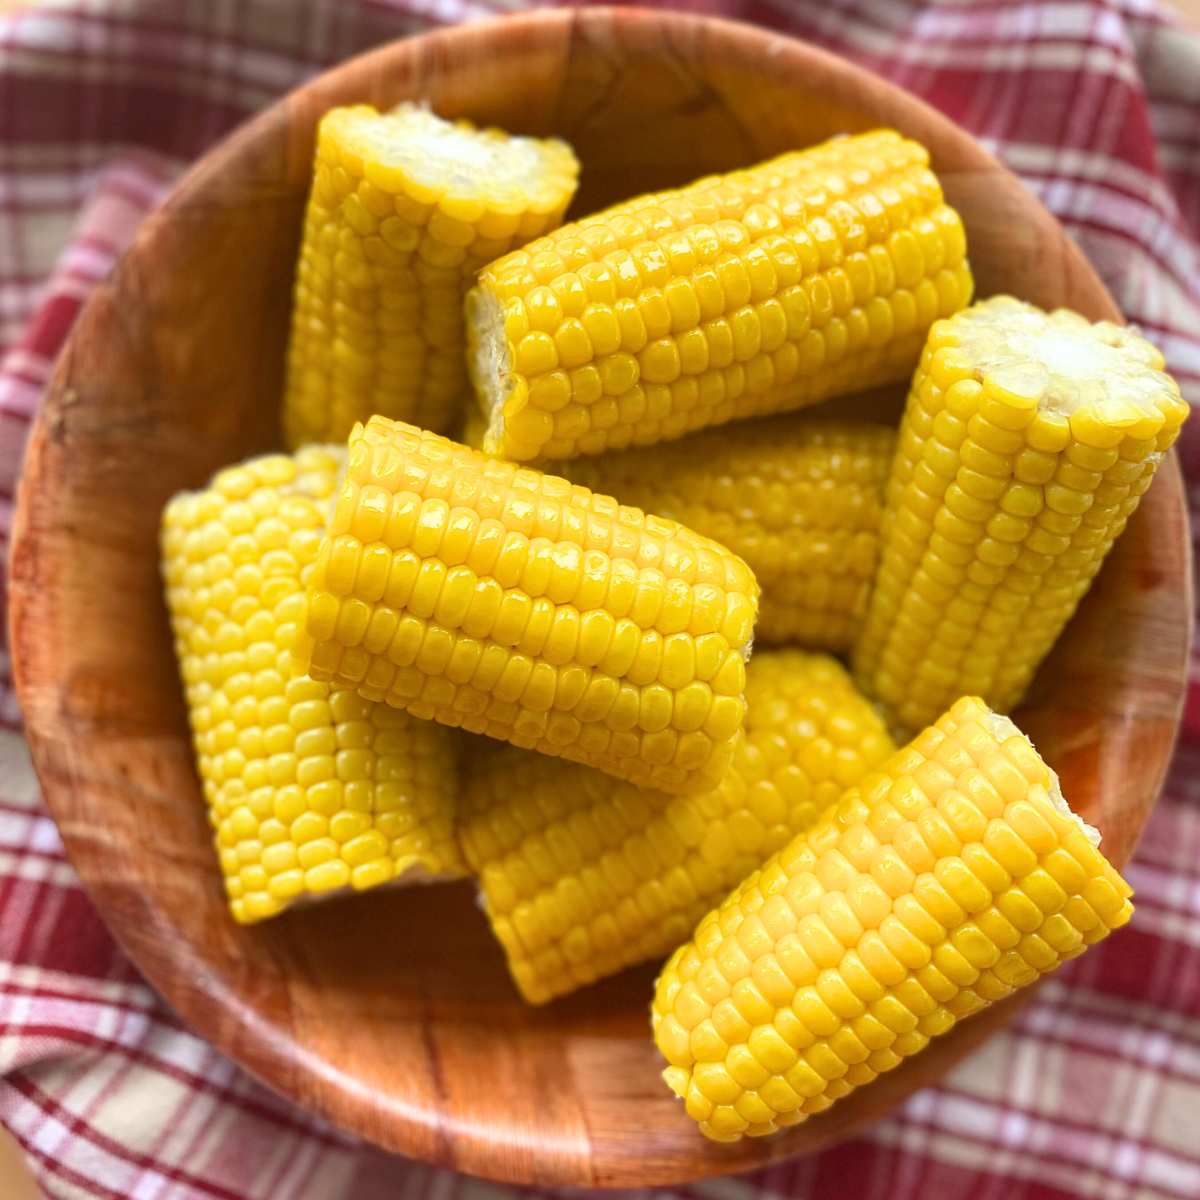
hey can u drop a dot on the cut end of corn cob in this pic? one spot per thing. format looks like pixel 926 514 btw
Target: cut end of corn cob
pixel 1003 728
pixel 310 790
pixel 507 602
pixel 491 369
pixel 815 274
pixel 498 185
pixel 405 208
pixel 583 875
pixel 799 499
pixel 1066 365
pixel 939 885
pixel 1027 442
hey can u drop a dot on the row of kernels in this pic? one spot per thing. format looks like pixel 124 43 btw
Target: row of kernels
pixel 731 314
pixel 663 760
pixel 585 557
pixel 616 311
pixel 649 414
pixel 626 657
pixel 606 309
pixel 673 631
pixel 536 699
pixel 862 371
pixel 409 463
pixel 561 732
pixel 800 177
pixel 813 366
pixel 340 345
pixel 837 559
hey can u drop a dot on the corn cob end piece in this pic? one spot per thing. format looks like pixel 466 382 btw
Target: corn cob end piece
pixel 311 790
pixel 1027 442
pixel 504 601
pixel 814 274
pixel 1066 367
pixel 940 884
pixel 405 208
pixel 491 371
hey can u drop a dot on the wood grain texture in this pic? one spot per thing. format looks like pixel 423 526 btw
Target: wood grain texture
pixel 392 1014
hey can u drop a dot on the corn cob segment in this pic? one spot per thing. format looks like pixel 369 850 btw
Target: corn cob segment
pixel 490 596
pixel 798 499
pixel 583 875
pixel 937 886
pixel 404 209
pixel 310 789
pixel 1027 442
pixel 812 275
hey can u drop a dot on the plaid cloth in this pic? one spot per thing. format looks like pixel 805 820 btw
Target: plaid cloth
pixel 1095 1091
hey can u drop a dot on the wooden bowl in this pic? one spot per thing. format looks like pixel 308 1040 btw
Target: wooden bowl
pixel 391 1014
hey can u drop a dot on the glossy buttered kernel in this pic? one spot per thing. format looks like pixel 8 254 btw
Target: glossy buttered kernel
pixel 815 274
pixel 404 209
pixel 489 596
pixel 799 499
pixel 1026 445
pixel 582 875
pixel 310 789
pixel 937 886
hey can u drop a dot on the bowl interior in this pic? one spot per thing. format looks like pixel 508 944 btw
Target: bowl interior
pixel 392 1013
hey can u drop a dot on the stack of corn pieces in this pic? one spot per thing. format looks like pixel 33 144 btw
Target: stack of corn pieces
pixel 842 861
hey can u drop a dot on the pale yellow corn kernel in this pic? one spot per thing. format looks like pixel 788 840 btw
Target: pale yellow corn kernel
pixel 300 778
pixel 559 848
pixel 530 609
pixel 812 275
pixel 788 929
pixel 1015 471
pixel 798 499
pixel 403 210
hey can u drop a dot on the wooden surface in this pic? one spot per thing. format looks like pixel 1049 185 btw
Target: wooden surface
pixel 1189 10
pixel 16 1180
pixel 391 1014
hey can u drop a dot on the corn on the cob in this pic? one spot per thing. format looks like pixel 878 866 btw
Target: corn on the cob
pixel 815 274
pixel 508 602
pixel 583 875
pixel 940 884
pixel 404 209
pixel 309 789
pixel 1027 441
pixel 798 499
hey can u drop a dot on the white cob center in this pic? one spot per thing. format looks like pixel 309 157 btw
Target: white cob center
pixel 492 362
pixel 1065 361
pixel 441 154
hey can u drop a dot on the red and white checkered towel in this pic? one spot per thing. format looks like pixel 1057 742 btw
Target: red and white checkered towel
pixel 1095 1091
